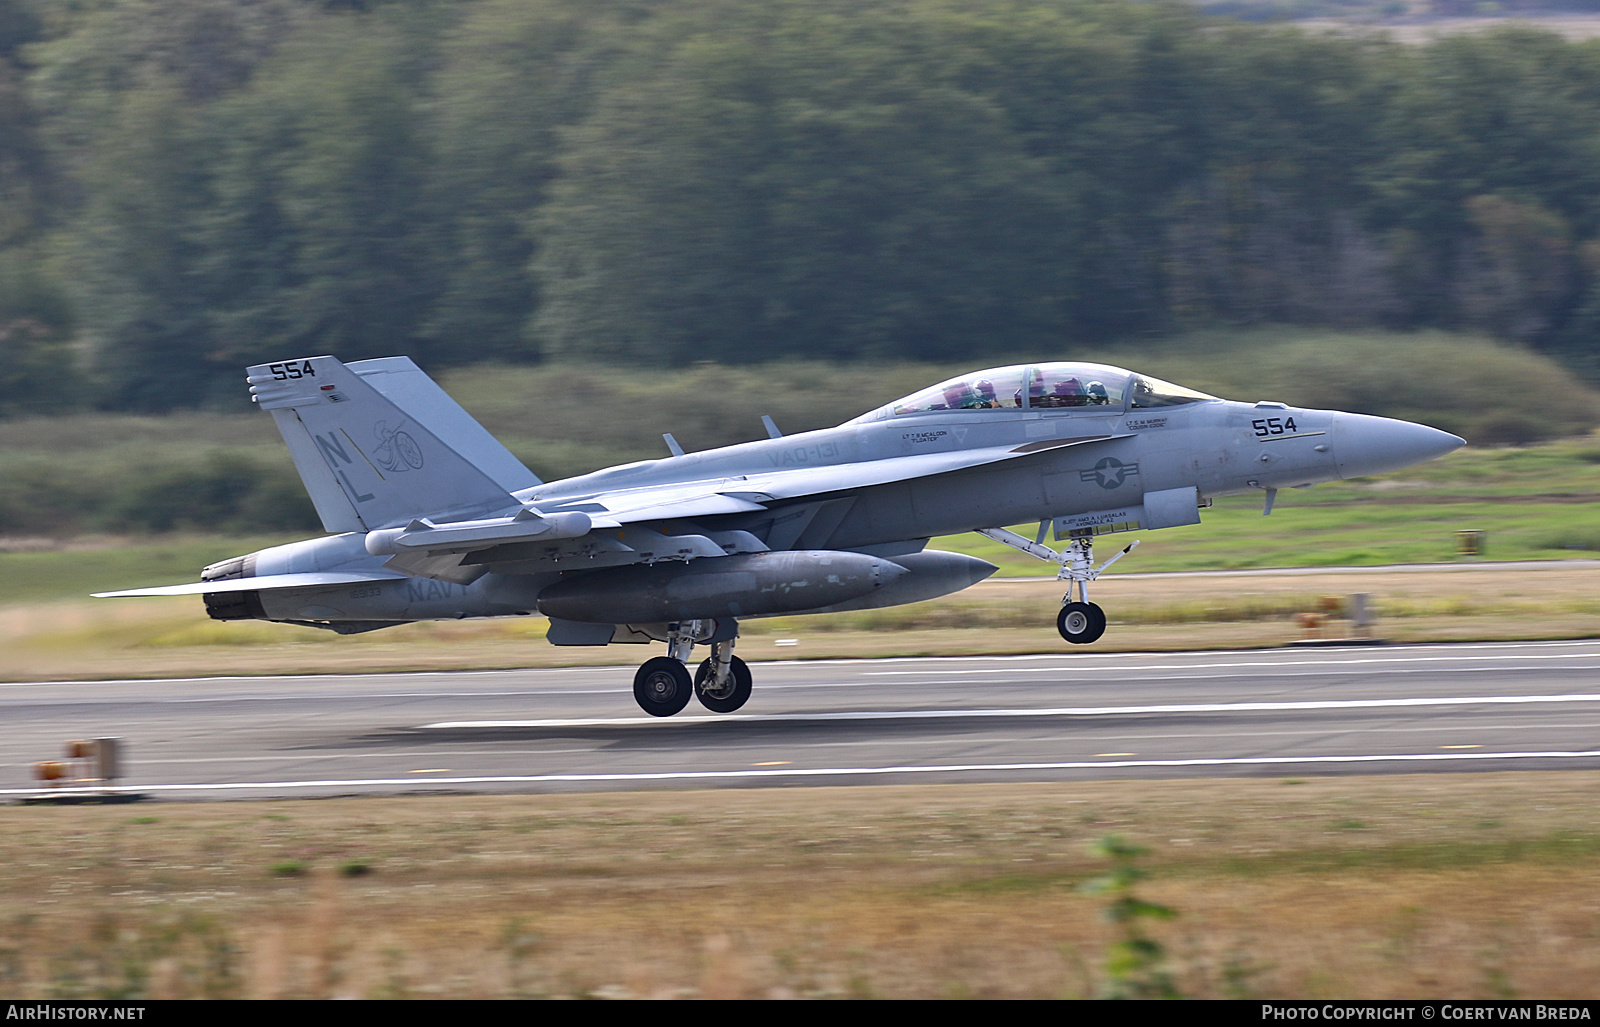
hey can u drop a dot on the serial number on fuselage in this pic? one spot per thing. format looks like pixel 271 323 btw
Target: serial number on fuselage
pixel 805 454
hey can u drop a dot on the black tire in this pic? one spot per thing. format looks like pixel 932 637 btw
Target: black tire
pixel 662 686
pixel 738 692
pixel 1099 616
pixel 1081 623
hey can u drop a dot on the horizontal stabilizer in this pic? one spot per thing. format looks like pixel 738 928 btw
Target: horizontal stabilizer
pixel 265 582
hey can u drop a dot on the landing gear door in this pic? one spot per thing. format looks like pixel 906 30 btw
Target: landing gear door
pixel 1169 508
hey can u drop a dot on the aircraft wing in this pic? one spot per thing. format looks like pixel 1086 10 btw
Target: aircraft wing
pixel 438 550
pixel 753 491
pixel 805 481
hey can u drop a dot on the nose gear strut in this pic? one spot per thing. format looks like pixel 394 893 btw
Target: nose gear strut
pixel 1079 622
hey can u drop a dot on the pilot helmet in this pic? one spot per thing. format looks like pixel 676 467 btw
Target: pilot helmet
pixel 985 388
pixel 1097 390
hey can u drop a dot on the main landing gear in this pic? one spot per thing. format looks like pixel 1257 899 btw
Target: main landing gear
pixel 1079 622
pixel 663 687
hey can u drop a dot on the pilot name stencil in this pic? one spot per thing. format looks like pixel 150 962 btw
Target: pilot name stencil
pixel 1126 519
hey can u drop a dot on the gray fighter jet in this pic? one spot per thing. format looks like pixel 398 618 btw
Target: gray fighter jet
pixel 430 518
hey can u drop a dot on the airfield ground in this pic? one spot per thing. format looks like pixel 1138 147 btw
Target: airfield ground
pixel 1458 885
pixel 1466 885
pixel 1535 504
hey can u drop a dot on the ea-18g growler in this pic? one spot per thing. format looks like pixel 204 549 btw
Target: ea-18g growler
pixel 429 517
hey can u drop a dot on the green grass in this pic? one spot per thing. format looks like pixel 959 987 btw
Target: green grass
pixel 1484 391
pixel 1534 503
pixel 112 564
pixel 224 485
pixel 230 473
pixel 1234 536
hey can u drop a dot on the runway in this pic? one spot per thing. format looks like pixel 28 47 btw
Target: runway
pixel 1075 716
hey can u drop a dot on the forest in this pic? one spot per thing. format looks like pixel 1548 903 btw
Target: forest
pixel 190 186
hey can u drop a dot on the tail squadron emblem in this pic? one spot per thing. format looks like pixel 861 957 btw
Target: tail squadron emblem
pixel 397 451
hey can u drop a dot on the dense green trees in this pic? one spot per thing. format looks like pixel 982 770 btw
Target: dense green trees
pixel 187 186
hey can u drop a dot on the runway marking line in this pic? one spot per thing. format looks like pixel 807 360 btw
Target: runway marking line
pixel 1058 711
pixel 1330 666
pixel 727 775
pixel 1071 658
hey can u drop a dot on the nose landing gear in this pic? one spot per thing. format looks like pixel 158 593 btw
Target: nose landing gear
pixel 1079 622
pixel 662 686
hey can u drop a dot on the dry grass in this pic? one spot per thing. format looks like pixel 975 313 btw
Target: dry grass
pixel 1404 886
pixel 1454 885
pixel 172 637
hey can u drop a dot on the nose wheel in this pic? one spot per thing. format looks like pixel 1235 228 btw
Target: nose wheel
pixel 1080 622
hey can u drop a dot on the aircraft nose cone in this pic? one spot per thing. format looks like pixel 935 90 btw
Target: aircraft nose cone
pixel 1364 445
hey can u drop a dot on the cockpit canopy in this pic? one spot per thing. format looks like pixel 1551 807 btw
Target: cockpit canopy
pixel 1052 386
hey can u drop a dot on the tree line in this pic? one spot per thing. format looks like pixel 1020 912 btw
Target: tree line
pixel 189 186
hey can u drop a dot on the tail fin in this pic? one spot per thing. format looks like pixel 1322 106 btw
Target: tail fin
pixel 377 443
pixel 407 387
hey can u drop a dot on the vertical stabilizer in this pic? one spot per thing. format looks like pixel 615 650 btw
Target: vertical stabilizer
pixel 369 462
pixel 409 388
